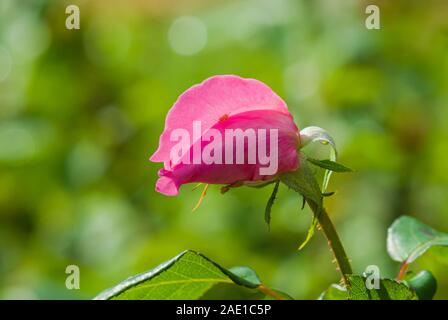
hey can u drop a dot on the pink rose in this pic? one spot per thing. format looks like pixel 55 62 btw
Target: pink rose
pixel 226 130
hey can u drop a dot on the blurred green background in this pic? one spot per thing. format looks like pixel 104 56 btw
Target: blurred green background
pixel 81 112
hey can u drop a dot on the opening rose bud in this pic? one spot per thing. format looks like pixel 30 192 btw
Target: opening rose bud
pixel 226 130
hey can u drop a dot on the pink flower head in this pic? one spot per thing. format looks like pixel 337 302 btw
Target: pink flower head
pixel 226 130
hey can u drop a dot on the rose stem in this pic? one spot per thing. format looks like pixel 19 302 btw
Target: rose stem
pixel 334 242
pixel 402 272
pixel 268 291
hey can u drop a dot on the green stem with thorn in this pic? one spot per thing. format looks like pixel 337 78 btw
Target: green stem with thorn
pixel 334 241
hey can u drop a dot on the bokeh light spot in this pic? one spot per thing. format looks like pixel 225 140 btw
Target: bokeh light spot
pixel 187 35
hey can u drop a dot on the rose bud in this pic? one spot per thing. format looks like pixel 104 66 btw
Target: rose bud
pixel 227 130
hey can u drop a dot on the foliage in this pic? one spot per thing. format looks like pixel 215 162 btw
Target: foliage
pixel 188 276
pixel 389 290
pixel 81 110
pixel 408 239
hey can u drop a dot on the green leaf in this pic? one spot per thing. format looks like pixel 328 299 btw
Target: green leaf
pixel 389 290
pixel 424 284
pixel 310 232
pixel 408 238
pixel 267 211
pixel 187 276
pixel 246 276
pixel 328 194
pixel 334 292
pixel 330 165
